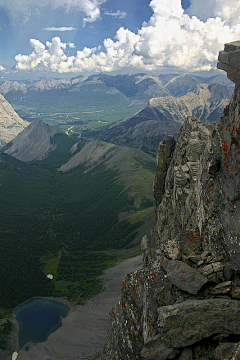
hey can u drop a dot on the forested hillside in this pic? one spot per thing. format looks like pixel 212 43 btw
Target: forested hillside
pixel 70 223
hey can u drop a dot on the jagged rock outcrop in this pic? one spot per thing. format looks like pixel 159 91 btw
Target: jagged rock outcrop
pixel 184 303
pixel 164 155
pixel 10 122
pixel 229 60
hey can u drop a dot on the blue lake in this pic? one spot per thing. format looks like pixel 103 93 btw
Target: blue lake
pixel 38 318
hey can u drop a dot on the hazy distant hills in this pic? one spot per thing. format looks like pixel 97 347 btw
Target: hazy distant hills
pixel 95 90
pixel 10 122
pixel 182 84
pixel 129 110
pixel 119 88
pixel 165 115
pixel 82 103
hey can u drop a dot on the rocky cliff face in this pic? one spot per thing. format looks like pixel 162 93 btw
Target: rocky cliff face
pixel 184 303
pixel 10 122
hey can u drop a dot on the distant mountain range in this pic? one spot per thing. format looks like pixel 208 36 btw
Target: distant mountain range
pixel 204 101
pixel 82 102
pixel 181 84
pixel 139 86
pixel 97 92
pixel 165 115
pixel 92 105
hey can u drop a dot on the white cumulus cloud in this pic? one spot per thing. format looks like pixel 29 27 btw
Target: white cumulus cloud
pixel 2 68
pixel 50 57
pixel 171 39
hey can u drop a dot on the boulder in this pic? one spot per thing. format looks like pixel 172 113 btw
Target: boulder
pixel 184 276
pixel 191 321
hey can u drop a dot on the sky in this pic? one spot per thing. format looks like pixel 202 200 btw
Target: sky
pixel 66 38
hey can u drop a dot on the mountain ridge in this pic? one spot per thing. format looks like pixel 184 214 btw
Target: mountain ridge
pixel 178 85
pixel 88 103
pixel 46 146
pixel 165 115
pixel 171 81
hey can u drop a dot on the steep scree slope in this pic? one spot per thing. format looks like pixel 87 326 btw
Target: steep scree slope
pixel 10 122
pixel 33 143
pixel 184 303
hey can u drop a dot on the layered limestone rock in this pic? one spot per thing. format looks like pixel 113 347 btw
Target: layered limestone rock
pixel 184 303
pixel 10 122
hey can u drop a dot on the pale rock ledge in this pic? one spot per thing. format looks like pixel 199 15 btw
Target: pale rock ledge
pixel 229 61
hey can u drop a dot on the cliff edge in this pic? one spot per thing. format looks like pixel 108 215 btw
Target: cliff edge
pixel 185 302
